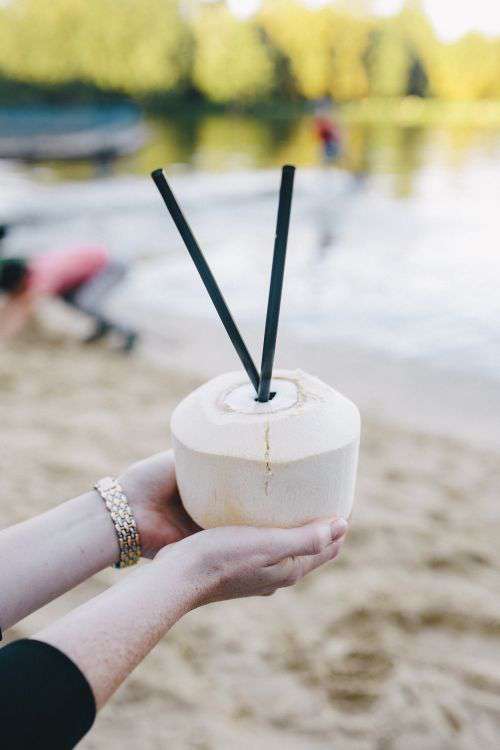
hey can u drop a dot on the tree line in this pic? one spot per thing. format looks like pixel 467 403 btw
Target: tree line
pixel 287 51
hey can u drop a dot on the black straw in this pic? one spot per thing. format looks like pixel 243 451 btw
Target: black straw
pixel 206 276
pixel 276 286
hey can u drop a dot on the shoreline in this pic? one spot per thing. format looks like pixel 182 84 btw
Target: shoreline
pixel 405 111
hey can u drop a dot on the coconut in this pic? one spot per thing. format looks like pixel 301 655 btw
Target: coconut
pixel 280 463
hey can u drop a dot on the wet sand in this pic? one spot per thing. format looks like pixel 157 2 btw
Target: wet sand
pixel 395 647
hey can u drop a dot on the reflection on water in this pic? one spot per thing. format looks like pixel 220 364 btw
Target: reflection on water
pixel 227 142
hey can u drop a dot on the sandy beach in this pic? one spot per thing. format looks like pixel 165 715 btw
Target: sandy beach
pixel 392 648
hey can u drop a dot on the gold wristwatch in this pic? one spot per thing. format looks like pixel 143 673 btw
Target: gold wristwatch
pixel 123 520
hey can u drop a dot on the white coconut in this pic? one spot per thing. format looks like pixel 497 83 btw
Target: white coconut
pixel 281 463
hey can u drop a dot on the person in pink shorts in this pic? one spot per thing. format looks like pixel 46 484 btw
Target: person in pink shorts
pixel 82 276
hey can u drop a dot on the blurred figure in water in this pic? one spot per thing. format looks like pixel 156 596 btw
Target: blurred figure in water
pixel 328 132
pixel 83 277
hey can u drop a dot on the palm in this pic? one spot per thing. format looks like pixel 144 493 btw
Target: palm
pixel 151 488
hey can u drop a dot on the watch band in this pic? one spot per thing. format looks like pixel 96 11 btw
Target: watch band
pixel 123 520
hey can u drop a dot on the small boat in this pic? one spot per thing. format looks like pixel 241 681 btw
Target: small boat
pixel 45 133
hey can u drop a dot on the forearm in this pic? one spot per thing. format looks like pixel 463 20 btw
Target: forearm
pixel 48 555
pixel 108 636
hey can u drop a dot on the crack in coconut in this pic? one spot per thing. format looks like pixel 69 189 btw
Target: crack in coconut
pixel 267 457
pixel 301 393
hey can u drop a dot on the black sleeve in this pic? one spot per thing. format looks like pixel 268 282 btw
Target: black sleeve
pixel 45 701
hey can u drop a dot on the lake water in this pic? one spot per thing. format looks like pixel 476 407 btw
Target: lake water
pixel 396 249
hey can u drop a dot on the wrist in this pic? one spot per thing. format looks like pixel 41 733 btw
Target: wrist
pixel 123 519
pixel 195 558
pixel 134 493
pixel 183 562
pixel 94 533
pixel 152 493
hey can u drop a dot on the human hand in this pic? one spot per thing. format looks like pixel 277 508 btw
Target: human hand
pixel 239 561
pixel 151 490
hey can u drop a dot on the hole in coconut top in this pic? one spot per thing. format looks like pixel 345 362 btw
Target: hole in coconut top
pixel 241 398
pixel 271 396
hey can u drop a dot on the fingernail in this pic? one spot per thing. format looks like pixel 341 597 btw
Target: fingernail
pixel 338 528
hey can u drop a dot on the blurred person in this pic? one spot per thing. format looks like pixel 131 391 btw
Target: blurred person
pixel 82 277
pixel 52 685
pixel 328 132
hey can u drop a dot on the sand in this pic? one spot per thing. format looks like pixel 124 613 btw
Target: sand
pixel 395 647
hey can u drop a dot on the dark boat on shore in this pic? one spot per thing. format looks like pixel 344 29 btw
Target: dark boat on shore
pixel 98 133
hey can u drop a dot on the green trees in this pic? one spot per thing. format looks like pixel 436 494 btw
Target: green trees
pixel 231 61
pixel 287 50
pixel 350 36
pixel 324 47
pixel 401 52
pixel 388 61
pixel 129 45
pixel 467 69
pixel 302 36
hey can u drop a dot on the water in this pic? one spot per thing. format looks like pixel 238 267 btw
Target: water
pixel 396 250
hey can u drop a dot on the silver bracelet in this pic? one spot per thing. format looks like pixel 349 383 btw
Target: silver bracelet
pixel 123 520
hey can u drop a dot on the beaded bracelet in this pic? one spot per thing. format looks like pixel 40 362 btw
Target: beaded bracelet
pixel 123 520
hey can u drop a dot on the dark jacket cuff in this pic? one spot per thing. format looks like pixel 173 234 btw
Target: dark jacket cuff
pixel 45 700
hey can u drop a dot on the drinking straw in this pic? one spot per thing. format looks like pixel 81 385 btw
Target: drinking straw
pixel 206 276
pixel 276 285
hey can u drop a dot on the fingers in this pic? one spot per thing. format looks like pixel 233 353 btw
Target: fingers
pixel 311 562
pixel 301 541
pixel 293 569
pixel 238 561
